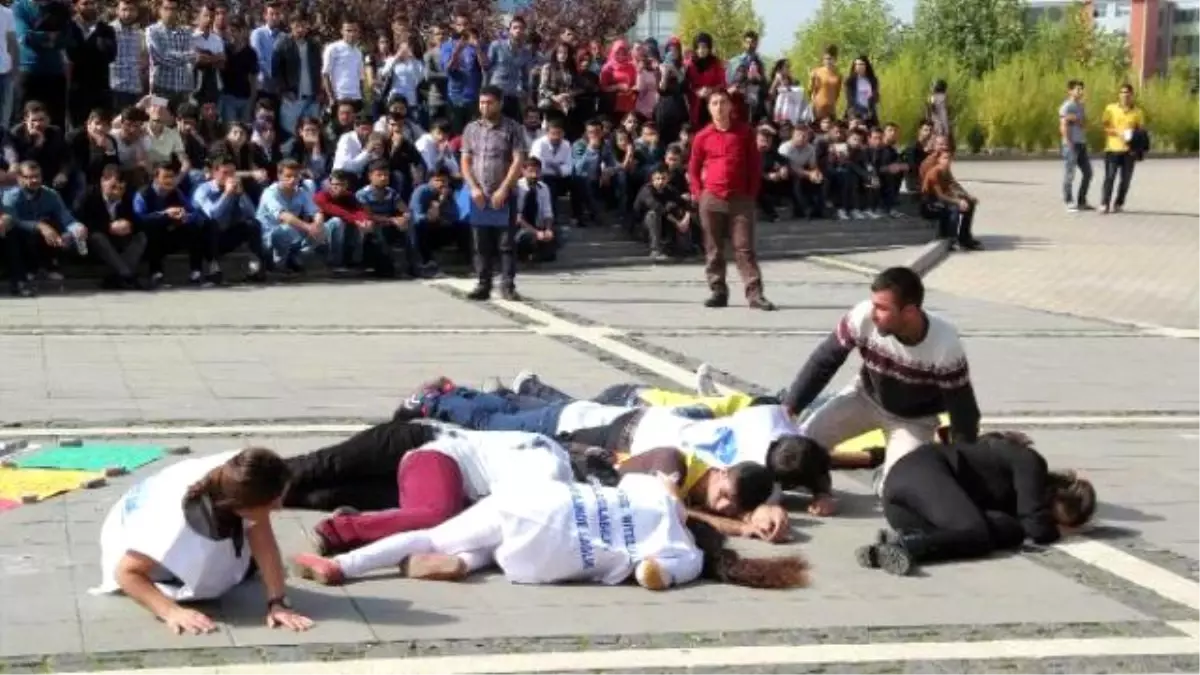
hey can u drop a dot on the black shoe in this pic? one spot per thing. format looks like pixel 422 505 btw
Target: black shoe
pixel 1084 206
pixel 479 294
pixel 763 304
pixel 215 279
pixel 894 559
pixel 970 245
pixel 111 282
pixel 717 300
pixel 509 293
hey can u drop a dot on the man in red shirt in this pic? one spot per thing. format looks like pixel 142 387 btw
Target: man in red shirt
pixel 725 171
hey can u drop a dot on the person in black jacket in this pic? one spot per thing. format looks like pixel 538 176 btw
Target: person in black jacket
pixel 966 500
pixel 114 234
pixel 93 49
pixel 664 214
pixel 300 95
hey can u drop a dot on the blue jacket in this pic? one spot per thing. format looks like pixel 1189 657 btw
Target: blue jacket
pixel 43 35
pixel 27 210
pixel 424 197
pixel 465 78
pixel 151 206
pixel 588 162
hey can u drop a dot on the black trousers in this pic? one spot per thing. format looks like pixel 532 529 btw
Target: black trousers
pixel 359 471
pixel 49 90
pixel 195 238
pixel 121 255
pixel 1117 164
pixel 490 244
pixel 937 519
pixel 84 99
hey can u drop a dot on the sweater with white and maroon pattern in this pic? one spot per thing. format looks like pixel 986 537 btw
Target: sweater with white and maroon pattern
pixel 907 381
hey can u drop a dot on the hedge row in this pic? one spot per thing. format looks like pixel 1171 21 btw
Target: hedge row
pixel 1015 106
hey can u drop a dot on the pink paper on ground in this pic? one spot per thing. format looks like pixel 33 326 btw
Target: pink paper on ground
pixel 6 504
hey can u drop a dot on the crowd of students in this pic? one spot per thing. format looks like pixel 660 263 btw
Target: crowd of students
pixel 637 485
pixel 131 143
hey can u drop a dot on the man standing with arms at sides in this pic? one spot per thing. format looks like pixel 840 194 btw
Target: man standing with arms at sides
pixel 914 367
pixel 493 151
pixel 724 173
pixel 464 59
pixel 1072 127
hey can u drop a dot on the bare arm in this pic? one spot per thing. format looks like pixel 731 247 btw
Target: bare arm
pixel 133 576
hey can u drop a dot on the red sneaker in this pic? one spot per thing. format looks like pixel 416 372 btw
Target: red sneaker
pixel 321 570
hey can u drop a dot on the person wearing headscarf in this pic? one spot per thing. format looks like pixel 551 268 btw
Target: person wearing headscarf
pixel 619 79
pixel 704 74
pixel 672 110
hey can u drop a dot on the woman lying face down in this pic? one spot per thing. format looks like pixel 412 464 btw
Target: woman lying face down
pixel 568 532
pixel 195 530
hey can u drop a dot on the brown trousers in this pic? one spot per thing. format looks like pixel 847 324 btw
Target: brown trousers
pixel 734 220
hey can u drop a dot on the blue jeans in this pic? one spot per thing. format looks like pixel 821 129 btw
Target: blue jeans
pixel 286 244
pixel 1075 156
pixel 235 110
pixel 291 110
pixel 492 412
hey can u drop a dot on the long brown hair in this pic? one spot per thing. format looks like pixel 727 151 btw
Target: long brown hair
pixel 726 566
pixel 252 478
pixel 1073 498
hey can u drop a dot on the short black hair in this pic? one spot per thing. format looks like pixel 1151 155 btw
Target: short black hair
pixel 441 124
pixel 492 91
pixel 799 461
pixel 904 283
pixel 754 483
pixel 1071 84
pixel 532 163
pixel 341 176
pixel 164 165
pixel 379 165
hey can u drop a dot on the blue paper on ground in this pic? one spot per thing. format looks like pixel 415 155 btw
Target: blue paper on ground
pixel 92 457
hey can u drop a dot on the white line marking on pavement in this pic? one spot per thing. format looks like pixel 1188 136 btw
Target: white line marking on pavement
pixel 713 657
pixel 168 430
pixel 1134 570
pixel 1191 628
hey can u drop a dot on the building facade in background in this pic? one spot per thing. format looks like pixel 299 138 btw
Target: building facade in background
pixel 658 20
pixel 1158 31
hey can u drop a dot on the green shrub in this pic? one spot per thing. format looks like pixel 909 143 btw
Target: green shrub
pixel 905 83
pixel 1172 110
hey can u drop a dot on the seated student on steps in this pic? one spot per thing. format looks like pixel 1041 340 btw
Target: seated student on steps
pixel 411 475
pixel 195 530
pixel 961 500
pixel 569 532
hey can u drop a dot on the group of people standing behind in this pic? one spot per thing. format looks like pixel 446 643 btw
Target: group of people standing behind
pixel 637 485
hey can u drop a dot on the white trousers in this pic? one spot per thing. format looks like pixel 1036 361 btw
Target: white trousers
pixel 851 413
pixel 473 536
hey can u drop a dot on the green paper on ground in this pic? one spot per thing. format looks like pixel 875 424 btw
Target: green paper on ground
pixel 92 457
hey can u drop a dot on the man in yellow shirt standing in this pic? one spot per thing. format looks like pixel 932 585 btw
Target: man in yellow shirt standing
pixel 1121 121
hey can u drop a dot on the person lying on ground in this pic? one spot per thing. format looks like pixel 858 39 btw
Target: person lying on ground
pixel 965 500
pixel 568 532
pixel 400 476
pixel 529 391
pixel 762 435
pixel 195 530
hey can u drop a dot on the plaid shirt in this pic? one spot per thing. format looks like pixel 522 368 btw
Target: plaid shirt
pixel 491 145
pixel 126 73
pixel 172 56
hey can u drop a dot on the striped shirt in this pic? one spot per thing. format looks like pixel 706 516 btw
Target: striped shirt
pixel 172 57
pixel 908 381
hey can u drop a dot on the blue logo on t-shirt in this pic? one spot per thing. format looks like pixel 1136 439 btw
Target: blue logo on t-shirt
pixel 723 447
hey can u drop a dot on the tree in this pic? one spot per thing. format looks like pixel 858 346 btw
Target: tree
pixel 725 20
pixel 376 16
pixel 591 19
pixel 865 27
pixel 982 33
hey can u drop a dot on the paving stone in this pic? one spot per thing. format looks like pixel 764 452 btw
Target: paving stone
pixel 1036 375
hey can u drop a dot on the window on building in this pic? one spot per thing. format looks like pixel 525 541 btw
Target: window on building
pixel 666 5
pixel 1100 9
pixel 1122 10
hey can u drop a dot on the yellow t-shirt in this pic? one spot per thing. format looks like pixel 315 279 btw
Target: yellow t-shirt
pixel 827 90
pixel 1117 121
pixel 721 406
pixel 696 468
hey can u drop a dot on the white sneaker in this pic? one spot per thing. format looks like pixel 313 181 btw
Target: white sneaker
pixel 858 215
pixel 704 381
pixel 53 275
pixel 1072 208
pixel 873 214
pixel 522 378
pixel 895 214
pixel 842 215
pixel 81 246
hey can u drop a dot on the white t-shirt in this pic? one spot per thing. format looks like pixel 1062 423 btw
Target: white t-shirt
pixel 744 436
pixel 343 64
pixel 490 458
pixel 149 519
pixel 7 26
pixel 574 532
pixel 587 414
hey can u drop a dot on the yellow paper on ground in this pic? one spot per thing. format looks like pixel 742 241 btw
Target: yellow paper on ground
pixel 41 483
pixel 875 439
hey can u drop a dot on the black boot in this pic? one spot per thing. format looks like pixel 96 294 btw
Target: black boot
pixel 889 553
pixel 717 299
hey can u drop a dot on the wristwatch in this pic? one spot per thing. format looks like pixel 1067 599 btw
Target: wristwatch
pixel 278 601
